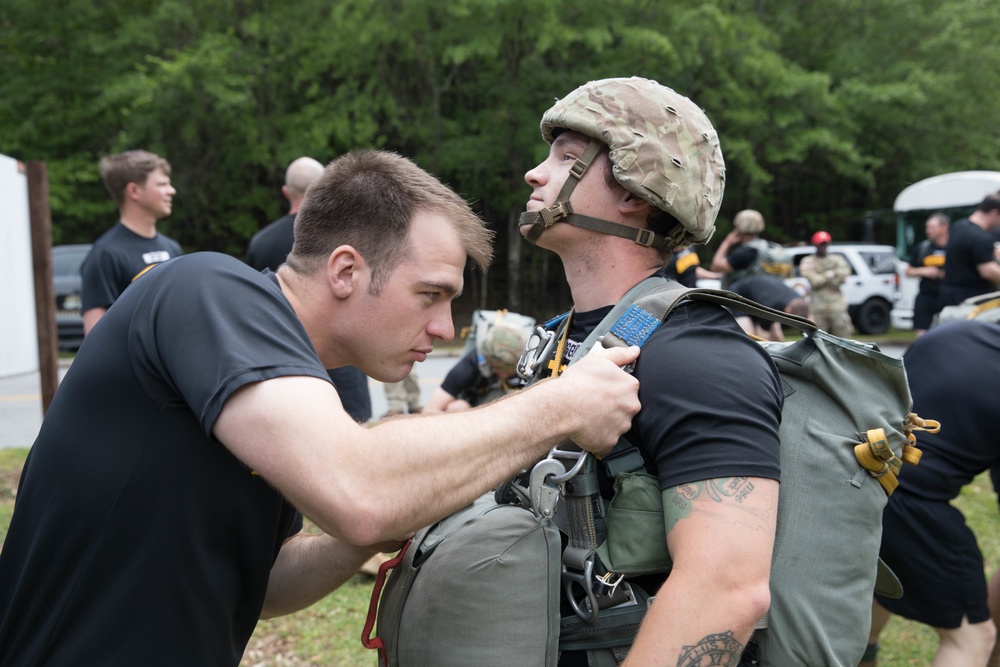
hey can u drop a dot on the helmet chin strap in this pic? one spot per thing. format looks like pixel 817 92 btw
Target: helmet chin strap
pixel 562 211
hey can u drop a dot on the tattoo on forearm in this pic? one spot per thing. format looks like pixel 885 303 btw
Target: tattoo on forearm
pixel 720 650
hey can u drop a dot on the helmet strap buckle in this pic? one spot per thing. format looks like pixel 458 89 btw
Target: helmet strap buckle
pixel 555 213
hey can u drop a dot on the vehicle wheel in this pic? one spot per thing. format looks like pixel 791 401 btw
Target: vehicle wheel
pixel 873 317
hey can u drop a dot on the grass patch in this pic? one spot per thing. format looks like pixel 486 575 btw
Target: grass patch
pixel 328 633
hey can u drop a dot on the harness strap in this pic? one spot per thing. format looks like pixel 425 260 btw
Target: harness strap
pixel 562 211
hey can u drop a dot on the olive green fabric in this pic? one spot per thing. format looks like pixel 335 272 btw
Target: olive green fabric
pixel 479 588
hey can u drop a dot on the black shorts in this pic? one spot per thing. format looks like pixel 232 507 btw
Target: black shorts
pixel 936 557
pixel 924 308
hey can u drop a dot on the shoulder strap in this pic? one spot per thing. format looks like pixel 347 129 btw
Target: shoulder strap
pixel 641 311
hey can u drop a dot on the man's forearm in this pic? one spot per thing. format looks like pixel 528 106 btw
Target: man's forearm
pixel 990 271
pixel 367 485
pixel 308 568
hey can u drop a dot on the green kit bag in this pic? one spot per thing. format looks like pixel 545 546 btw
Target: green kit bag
pixel 846 430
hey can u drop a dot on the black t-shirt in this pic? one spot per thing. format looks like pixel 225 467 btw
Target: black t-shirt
pixel 711 406
pixel 742 257
pixel 269 247
pixel 683 267
pixel 928 253
pixel 969 245
pixel 954 377
pixel 467 382
pixel 711 398
pixel 138 538
pixel 765 289
pixel 115 259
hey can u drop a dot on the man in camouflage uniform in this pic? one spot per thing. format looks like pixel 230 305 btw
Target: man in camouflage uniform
pixel 826 273
pixel 635 170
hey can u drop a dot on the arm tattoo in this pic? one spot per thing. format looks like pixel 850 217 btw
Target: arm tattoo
pixel 679 502
pixel 720 650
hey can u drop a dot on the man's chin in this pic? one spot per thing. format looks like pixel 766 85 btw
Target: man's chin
pixel 392 375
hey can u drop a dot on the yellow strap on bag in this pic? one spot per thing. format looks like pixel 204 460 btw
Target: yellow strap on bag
pixel 875 455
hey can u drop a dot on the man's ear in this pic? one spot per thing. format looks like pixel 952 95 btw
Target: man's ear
pixel 343 271
pixel 631 204
pixel 131 190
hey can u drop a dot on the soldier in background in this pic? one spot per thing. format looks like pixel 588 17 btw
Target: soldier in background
pixel 826 273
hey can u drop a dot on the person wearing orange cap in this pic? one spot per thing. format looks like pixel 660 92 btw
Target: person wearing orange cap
pixel 826 273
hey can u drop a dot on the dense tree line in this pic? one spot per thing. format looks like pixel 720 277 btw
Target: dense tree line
pixel 825 109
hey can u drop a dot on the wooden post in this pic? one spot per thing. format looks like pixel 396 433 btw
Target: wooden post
pixel 45 301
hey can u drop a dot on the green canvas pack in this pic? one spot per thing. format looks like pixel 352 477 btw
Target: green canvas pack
pixel 771 258
pixel 846 428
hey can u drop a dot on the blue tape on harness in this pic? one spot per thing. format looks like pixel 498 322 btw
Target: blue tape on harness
pixel 635 326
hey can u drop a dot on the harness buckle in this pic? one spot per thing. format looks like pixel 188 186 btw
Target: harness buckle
pixel 544 492
pixel 586 608
pixel 536 350
pixel 579 457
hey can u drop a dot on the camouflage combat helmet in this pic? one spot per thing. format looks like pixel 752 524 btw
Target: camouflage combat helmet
pixel 749 221
pixel 503 345
pixel 662 148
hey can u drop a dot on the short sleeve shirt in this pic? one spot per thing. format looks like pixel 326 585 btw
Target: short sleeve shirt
pixel 115 259
pixel 157 541
pixel 969 245
pixel 711 398
pixel 929 254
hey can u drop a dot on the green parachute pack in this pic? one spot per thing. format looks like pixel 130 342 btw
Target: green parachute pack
pixel 484 587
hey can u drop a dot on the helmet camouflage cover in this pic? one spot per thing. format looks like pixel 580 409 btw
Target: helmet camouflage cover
pixel 749 221
pixel 662 146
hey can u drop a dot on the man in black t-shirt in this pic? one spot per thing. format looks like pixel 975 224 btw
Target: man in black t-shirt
pixel 954 374
pixel 157 516
pixel 712 443
pixel 473 381
pixel 139 182
pixel 772 292
pixel 927 263
pixel 269 248
pixel 970 267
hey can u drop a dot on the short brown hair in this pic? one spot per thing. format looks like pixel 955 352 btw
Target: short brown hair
pixel 120 169
pixel 367 199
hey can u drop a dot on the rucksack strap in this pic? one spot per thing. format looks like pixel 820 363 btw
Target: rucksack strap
pixel 630 322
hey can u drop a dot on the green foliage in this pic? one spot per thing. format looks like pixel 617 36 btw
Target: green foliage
pixel 825 110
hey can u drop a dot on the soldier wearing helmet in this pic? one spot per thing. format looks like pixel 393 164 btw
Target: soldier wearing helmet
pixel 634 170
pixel 826 272
pixel 744 253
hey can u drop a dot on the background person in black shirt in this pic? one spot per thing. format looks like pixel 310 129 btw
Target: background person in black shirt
pixel 269 248
pixel 970 267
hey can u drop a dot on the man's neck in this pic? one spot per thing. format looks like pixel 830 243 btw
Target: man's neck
pixel 978 218
pixel 142 224
pixel 598 284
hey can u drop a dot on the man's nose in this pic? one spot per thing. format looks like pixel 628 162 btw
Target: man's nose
pixel 442 327
pixel 535 176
